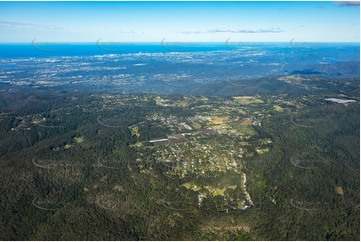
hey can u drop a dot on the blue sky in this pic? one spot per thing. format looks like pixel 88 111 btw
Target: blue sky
pixel 179 21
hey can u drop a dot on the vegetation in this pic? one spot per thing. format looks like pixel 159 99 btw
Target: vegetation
pixel 235 168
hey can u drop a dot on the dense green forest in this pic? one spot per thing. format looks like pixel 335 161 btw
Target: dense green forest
pixel 311 176
pixel 70 170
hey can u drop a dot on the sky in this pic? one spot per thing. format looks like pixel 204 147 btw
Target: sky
pixel 179 21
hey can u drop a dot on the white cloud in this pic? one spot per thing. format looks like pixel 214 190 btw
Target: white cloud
pixel 348 3
pixel 27 25
pixel 247 31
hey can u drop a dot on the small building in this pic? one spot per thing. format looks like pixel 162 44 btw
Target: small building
pixel 159 142
pixel 341 101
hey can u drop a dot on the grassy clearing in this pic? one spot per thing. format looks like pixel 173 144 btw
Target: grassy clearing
pixel 241 111
pixel 248 99
pixel 278 108
pixel 246 122
pixel 218 120
pixel 246 131
pixel 261 151
pixel 244 143
pixel 137 144
pixel 197 126
pixel 158 101
pixel 217 191
pixel 265 141
pixel 135 131
pixel 192 186
pixel 79 139
pixel 339 190
pixel 181 104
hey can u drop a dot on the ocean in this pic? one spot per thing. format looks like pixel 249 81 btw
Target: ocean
pixel 52 49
